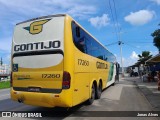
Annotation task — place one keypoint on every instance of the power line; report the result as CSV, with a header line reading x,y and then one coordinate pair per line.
x,y
125,43
115,11
141,42
128,42
133,46
111,44
113,20
118,33
138,41
122,42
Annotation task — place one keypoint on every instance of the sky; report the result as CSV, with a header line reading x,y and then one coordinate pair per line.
x,y
109,21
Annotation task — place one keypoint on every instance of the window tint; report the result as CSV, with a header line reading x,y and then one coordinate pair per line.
x,y
87,44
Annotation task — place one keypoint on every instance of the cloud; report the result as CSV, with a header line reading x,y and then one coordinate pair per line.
x,y
125,61
16,11
140,17
128,61
100,21
46,7
156,1
134,55
132,59
153,53
75,8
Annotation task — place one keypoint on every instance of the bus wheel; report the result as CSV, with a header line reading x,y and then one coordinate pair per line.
x,y
91,99
99,91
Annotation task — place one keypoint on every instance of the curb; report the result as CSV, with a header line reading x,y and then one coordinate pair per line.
x,y
149,96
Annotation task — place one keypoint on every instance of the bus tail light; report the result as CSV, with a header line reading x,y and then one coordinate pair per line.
x,y
66,80
11,80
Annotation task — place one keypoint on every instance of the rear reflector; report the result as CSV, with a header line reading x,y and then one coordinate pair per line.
x,y
66,80
56,96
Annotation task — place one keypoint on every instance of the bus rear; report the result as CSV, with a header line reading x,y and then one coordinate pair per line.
x,y
37,62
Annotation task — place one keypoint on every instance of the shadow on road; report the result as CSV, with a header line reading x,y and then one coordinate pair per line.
x,y
57,111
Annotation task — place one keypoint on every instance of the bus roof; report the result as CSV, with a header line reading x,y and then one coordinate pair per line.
x,y
42,17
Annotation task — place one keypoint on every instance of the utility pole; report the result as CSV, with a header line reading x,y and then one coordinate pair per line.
x,y
120,44
1,65
1,61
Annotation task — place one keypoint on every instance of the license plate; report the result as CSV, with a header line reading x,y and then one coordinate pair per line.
x,y
34,89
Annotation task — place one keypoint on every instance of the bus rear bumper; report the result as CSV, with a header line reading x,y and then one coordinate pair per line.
x,y
41,99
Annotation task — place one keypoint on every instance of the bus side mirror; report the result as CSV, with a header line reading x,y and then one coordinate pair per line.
x,y
78,31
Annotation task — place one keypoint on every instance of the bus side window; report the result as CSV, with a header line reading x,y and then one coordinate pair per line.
x,y
81,45
105,57
78,32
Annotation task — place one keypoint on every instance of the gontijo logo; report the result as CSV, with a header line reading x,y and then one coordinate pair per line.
x,y
36,27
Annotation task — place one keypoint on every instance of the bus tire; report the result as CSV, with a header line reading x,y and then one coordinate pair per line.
x,y
99,91
91,99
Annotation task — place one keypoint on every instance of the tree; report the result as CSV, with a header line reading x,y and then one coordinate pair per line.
x,y
156,38
145,56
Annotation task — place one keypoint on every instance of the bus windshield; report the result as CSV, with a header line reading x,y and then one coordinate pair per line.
x,y
35,41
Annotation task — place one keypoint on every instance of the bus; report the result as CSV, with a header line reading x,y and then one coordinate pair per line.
x,y
56,62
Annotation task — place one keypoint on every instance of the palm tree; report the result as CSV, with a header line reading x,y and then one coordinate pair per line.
x,y
145,56
142,59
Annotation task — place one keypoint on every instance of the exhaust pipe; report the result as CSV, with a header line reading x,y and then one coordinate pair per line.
x,y
20,100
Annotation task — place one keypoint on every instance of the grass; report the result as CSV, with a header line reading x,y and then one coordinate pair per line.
x,y
4,84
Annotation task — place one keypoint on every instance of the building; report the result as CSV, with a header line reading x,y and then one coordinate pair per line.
x,y
5,69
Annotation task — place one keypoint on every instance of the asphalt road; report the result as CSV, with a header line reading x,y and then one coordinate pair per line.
x,y
123,96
